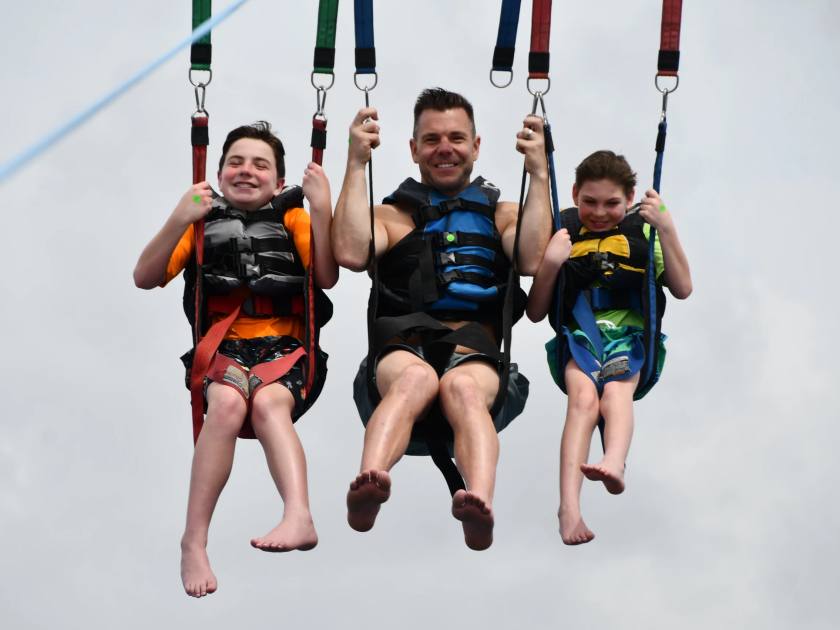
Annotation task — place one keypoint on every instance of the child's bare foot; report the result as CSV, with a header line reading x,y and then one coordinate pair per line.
x,y
196,573
476,518
290,534
612,476
368,491
573,530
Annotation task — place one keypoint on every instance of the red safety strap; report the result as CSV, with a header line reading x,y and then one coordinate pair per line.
x,y
270,372
669,46
203,357
200,140
319,139
540,36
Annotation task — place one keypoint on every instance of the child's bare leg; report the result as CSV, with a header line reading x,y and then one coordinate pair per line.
x,y
617,410
211,465
581,419
466,394
408,385
271,418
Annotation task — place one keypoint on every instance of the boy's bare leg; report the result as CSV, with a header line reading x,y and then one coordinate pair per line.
x,y
271,418
581,420
466,394
211,465
617,410
408,385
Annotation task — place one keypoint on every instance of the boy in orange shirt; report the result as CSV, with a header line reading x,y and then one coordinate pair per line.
x,y
256,249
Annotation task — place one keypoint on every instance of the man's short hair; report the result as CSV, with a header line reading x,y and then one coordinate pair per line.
x,y
440,100
260,130
606,165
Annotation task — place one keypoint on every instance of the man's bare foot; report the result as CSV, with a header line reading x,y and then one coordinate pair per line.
x,y
196,573
573,530
612,477
368,491
476,518
290,534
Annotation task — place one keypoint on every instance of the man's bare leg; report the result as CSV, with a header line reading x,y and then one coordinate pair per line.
x,y
211,465
408,385
466,394
617,410
581,420
271,418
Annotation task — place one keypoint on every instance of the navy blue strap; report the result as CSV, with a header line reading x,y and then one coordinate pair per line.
x,y
506,40
365,50
585,318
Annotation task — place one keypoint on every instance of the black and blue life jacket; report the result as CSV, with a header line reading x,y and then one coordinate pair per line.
x,y
452,265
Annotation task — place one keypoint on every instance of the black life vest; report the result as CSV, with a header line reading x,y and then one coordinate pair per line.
x,y
615,261
452,265
253,249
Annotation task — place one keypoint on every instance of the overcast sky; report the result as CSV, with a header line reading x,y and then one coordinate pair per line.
x,y
730,519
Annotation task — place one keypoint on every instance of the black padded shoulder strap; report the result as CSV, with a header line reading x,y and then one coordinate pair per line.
x,y
289,197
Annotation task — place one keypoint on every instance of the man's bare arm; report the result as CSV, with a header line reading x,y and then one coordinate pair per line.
x,y
351,225
536,217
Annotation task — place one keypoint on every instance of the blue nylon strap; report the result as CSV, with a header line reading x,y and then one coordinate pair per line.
x,y
652,331
586,320
506,39
13,164
363,12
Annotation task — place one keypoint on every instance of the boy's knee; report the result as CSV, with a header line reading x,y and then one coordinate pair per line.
x,y
226,409
584,400
270,402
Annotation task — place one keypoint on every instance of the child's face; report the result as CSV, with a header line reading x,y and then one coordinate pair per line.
x,y
248,178
601,203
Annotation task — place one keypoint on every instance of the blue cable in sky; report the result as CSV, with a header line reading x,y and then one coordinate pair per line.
x,y
9,167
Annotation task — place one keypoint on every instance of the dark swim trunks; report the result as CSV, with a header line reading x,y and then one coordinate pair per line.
x,y
249,353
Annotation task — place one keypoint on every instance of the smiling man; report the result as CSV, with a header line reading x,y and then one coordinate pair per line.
x,y
442,251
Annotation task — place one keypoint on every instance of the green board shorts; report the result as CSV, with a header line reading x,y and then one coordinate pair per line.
x,y
624,355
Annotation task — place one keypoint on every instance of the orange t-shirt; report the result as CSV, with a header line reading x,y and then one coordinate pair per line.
x,y
296,221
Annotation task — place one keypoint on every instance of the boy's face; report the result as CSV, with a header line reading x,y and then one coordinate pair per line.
x,y
601,203
248,178
444,149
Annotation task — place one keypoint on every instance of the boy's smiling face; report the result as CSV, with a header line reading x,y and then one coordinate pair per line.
x,y
248,179
601,203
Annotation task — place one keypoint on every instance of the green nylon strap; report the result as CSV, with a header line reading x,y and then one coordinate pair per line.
x,y
325,40
201,12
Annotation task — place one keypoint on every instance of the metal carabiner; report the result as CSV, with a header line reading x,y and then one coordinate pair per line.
x,y
200,93
320,102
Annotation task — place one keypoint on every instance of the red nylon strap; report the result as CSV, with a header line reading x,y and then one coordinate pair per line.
x,y
199,155
319,127
270,372
540,33
311,338
670,36
202,358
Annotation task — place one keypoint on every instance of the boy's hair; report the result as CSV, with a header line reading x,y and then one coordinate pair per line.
x,y
260,130
606,165
440,100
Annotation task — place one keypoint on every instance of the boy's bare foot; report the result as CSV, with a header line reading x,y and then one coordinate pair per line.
x,y
196,573
476,518
289,535
573,530
368,491
612,477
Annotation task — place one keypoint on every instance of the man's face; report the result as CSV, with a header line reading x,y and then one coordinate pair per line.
x,y
444,148
602,204
248,179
